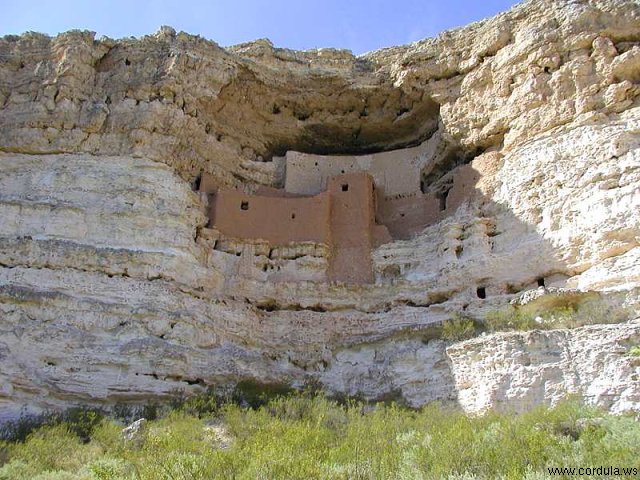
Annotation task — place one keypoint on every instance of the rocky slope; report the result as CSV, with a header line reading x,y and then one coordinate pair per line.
x,y
110,290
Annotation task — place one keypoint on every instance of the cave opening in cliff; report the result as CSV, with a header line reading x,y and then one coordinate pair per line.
x,y
442,199
344,134
195,185
436,177
540,281
481,292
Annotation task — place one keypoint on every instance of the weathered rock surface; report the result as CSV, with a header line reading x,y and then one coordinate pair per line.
x,y
519,370
111,290
133,431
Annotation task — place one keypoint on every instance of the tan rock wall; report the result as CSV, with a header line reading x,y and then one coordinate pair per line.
x,y
111,290
519,370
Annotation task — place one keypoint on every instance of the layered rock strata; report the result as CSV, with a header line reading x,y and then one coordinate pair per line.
x,y
113,289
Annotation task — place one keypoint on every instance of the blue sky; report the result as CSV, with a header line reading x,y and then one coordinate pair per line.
x,y
360,26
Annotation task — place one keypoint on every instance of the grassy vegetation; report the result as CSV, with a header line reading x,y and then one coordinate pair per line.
x,y
569,315
458,328
310,437
565,313
635,351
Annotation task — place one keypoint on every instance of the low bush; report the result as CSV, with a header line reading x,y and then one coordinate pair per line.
x,y
309,436
458,328
572,315
510,319
598,311
48,449
79,420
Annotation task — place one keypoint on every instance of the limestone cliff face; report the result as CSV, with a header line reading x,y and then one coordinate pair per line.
x,y
111,289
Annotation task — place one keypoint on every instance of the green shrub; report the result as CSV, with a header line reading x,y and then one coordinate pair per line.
x,y
61,475
635,351
109,469
510,319
309,436
599,311
256,394
79,420
108,436
571,315
560,317
82,421
202,405
48,449
458,328
16,469
177,465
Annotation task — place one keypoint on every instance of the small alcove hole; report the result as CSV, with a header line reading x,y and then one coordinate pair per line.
x,y
244,205
481,292
443,200
345,187
195,184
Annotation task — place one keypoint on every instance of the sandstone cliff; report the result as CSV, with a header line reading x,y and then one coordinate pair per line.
x,y
111,290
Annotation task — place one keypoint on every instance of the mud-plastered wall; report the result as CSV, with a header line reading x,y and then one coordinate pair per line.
x,y
277,220
352,221
407,215
394,172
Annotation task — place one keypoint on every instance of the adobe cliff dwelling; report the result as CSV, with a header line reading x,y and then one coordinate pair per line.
x,y
340,207
176,215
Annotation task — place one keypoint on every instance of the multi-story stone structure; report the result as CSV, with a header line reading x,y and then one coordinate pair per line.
x,y
350,204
